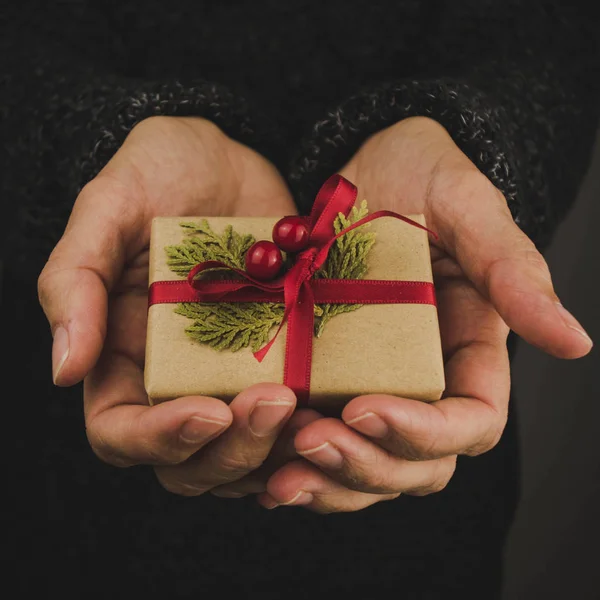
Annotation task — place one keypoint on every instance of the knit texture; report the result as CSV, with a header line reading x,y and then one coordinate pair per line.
x,y
233,326
304,83
513,83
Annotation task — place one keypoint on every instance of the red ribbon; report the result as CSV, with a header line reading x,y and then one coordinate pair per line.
x,y
297,289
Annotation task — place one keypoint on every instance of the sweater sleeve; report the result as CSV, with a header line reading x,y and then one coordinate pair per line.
x,y
516,90
63,116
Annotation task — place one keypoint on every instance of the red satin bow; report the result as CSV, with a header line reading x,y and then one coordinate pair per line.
x,y
297,289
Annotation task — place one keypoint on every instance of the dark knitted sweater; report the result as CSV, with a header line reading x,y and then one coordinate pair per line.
x,y
305,83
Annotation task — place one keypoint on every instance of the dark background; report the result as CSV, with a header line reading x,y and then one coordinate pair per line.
x,y
552,548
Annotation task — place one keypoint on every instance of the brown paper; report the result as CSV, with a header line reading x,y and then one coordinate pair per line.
x,y
379,348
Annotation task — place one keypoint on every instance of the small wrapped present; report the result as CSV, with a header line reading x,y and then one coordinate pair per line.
x,y
349,310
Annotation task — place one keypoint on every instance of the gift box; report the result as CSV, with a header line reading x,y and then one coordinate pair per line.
x,y
209,348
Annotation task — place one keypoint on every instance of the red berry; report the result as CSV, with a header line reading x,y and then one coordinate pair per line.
x,y
263,260
291,234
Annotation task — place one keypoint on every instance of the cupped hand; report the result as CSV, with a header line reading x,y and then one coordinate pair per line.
x,y
94,292
489,277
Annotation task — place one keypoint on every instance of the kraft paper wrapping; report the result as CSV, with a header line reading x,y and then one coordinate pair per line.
x,y
379,348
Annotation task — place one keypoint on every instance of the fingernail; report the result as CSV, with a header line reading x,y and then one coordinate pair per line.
x,y
267,501
60,351
267,416
370,424
299,499
572,323
199,429
324,455
226,494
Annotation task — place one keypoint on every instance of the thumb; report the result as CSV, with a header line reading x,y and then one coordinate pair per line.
x,y
73,286
503,263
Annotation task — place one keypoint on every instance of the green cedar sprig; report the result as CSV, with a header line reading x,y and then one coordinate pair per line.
x,y
232,326
204,244
347,259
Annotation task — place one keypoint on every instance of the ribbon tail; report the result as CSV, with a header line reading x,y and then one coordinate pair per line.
x,y
324,251
259,355
292,288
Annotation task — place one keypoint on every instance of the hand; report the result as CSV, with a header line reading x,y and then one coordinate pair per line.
x,y
94,292
488,277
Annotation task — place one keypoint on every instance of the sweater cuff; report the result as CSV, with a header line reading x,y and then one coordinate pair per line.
x,y
211,101
478,126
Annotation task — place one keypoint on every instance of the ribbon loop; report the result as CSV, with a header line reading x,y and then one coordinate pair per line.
x,y
337,195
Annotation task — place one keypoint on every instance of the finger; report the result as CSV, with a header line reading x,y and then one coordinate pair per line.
x,y
259,415
301,484
421,431
467,318
361,465
475,225
123,430
73,286
470,421
283,451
